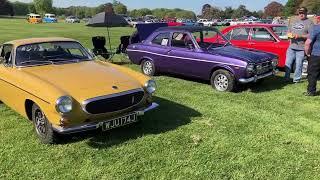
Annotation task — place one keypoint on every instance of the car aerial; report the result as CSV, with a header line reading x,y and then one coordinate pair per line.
x,y
184,51
72,19
50,18
59,86
264,37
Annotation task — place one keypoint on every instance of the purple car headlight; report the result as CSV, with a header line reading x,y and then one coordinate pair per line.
x,y
250,68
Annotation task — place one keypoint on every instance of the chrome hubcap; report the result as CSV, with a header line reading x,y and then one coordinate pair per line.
x,y
40,123
221,82
147,68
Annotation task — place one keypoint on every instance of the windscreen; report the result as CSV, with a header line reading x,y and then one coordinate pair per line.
x,y
50,52
210,39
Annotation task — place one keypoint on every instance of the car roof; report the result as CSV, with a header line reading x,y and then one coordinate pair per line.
x,y
20,42
186,28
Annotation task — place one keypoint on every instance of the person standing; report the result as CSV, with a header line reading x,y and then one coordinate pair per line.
x,y
312,49
298,33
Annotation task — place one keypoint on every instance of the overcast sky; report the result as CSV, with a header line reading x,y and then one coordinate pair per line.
x,y
194,5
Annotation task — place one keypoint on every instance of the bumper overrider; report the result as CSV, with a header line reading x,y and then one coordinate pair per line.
x,y
257,77
97,125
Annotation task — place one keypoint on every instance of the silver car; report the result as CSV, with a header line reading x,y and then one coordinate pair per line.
x,y
72,19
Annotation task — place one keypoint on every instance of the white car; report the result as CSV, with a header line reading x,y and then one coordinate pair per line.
x,y
206,22
72,19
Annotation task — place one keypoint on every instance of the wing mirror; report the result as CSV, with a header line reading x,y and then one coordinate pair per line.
x,y
190,47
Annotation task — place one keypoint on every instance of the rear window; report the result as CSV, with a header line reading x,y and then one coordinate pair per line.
x,y
161,39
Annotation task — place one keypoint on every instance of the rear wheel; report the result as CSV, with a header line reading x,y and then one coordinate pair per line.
x,y
42,126
148,68
223,81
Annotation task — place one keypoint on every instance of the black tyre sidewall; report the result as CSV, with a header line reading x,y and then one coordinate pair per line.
x,y
49,137
231,80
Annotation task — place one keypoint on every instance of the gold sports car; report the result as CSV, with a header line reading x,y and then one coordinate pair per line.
x,y
59,86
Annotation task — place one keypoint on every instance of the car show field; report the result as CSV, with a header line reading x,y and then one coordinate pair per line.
x,y
264,131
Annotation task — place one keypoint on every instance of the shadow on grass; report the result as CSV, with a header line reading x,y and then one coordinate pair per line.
x,y
167,117
268,84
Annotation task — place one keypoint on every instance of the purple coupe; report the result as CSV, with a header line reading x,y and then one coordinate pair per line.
x,y
186,51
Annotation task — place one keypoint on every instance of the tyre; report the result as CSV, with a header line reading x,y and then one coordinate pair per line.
x,y
42,126
148,68
223,81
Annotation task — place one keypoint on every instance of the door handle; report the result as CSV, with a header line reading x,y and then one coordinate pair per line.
x,y
169,52
252,43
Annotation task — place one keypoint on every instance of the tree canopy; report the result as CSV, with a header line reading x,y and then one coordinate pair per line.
x,y
43,6
273,9
6,8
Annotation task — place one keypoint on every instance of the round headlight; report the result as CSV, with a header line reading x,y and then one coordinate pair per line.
x,y
151,86
64,104
250,68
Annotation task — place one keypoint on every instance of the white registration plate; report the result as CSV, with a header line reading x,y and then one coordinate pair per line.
x,y
118,122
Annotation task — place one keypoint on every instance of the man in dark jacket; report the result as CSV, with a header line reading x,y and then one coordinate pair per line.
x,y
312,49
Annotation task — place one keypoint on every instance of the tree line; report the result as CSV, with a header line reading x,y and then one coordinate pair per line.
x,y
208,11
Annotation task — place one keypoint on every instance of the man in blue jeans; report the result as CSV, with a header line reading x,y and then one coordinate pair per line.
x,y
312,49
298,33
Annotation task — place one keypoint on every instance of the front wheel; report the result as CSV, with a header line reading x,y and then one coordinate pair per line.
x,y
223,81
148,68
42,126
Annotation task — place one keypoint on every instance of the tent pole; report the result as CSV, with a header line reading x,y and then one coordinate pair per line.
x,y
108,33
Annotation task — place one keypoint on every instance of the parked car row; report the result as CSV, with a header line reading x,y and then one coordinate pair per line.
x,y
50,18
115,96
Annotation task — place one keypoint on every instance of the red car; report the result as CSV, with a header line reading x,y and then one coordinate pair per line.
x,y
265,37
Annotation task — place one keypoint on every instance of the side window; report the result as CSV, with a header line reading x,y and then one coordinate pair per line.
x,y
6,53
239,34
161,39
261,34
182,40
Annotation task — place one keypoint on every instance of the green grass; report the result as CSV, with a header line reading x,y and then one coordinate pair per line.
x,y
268,131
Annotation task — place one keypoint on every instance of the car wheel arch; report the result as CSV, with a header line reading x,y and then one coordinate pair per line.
x,y
28,108
144,59
215,68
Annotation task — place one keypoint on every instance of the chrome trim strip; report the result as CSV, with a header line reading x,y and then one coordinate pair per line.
x,y
255,78
96,125
86,102
192,59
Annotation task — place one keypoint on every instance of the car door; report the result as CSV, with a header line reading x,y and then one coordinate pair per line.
x,y
183,55
261,39
239,37
159,47
6,87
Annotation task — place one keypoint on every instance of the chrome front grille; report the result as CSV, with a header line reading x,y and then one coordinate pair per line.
x,y
114,102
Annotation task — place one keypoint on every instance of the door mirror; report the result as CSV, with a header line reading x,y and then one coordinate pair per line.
x,y
190,46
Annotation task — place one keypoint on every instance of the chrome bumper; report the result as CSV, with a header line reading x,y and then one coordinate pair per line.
x,y
96,125
256,77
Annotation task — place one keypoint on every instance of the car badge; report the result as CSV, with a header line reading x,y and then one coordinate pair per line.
x,y
115,87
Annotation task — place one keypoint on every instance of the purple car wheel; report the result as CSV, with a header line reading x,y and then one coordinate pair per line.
x,y
222,80
148,68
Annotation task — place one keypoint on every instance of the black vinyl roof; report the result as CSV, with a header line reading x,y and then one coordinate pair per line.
x,y
187,28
